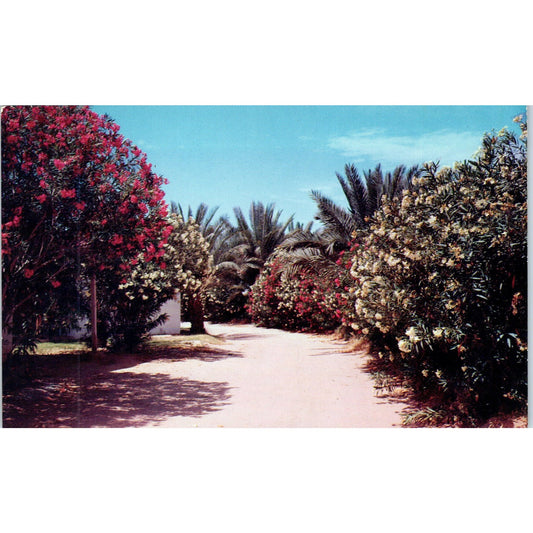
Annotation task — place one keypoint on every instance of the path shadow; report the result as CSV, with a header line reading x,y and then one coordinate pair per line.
x,y
68,390
182,353
243,336
124,399
74,364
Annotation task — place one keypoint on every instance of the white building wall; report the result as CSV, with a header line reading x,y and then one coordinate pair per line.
x,y
172,326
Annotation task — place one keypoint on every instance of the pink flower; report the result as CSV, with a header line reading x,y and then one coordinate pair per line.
x,y
43,184
60,165
56,284
68,193
116,240
133,199
28,272
42,198
163,266
80,206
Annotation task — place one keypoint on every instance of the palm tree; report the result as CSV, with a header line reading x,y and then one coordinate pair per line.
x,y
247,247
253,241
319,250
364,198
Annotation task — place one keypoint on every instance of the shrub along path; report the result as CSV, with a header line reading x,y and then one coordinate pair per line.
x,y
256,378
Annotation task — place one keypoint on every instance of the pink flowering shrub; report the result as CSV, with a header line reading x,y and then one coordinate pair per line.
x,y
300,301
131,305
68,179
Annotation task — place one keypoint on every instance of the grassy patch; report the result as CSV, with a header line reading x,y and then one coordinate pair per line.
x,y
157,341
180,341
53,348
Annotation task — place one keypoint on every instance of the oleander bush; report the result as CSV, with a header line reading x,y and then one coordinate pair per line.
x,y
440,280
298,300
129,312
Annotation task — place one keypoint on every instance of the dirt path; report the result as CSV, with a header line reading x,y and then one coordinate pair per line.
x,y
257,378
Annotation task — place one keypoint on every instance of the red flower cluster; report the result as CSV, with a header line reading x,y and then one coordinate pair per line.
x,y
70,193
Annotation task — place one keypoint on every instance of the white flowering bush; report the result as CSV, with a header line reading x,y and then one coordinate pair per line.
x,y
440,279
185,264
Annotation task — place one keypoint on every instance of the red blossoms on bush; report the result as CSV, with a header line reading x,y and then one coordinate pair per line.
x,y
70,193
60,165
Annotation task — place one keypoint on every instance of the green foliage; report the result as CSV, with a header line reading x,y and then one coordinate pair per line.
x,y
440,279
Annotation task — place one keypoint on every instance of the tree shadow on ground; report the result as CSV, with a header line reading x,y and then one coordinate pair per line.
x,y
27,370
72,390
202,353
320,351
107,399
244,336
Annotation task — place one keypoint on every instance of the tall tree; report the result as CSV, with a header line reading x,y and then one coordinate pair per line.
x,y
76,196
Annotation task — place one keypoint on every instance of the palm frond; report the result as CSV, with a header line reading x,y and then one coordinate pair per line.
x,y
374,184
334,217
355,192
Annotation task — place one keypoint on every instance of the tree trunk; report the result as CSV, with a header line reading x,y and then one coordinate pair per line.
x,y
197,314
7,343
94,315
7,333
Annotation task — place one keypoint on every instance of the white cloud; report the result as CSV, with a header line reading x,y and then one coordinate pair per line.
x,y
145,145
445,146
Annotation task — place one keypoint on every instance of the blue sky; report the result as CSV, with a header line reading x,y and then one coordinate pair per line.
x,y
231,155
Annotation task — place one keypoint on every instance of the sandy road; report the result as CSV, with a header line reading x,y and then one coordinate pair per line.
x,y
256,378
279,379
